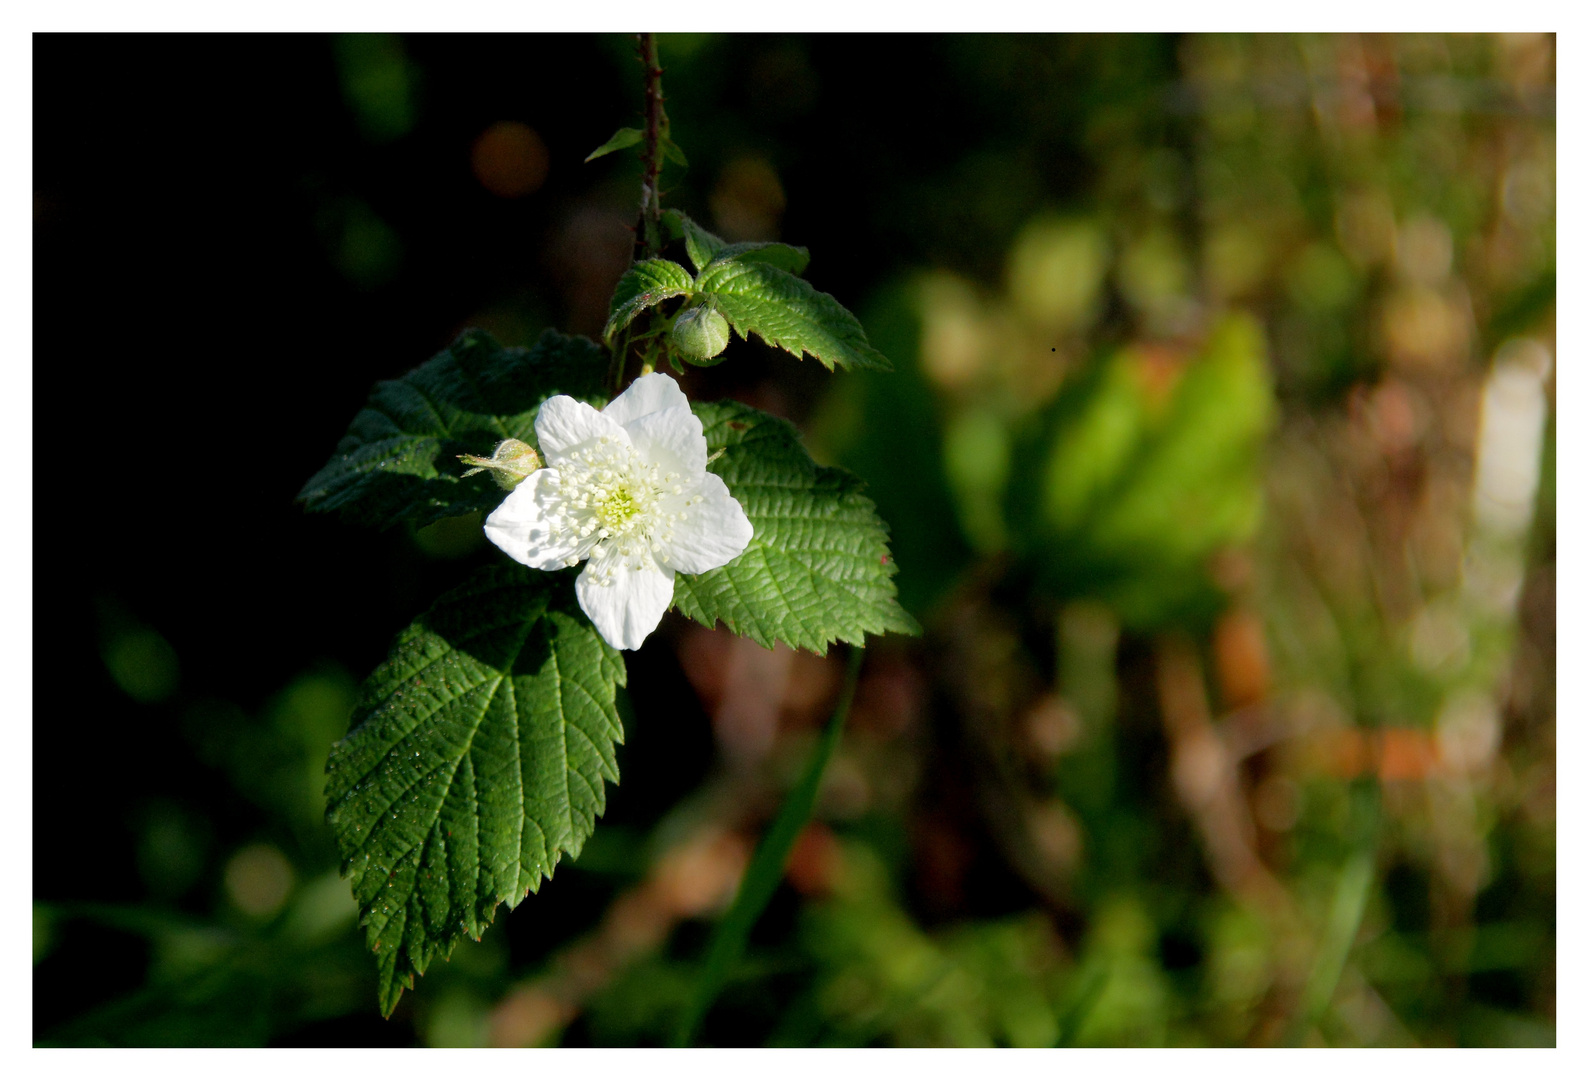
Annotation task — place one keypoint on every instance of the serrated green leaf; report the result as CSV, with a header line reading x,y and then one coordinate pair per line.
x,y
646,284
621,139
701,245
786,311
783,256
477,759
672,153
818,569
399,458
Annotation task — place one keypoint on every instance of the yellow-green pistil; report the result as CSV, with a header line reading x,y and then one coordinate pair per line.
x,y
609,500
616,509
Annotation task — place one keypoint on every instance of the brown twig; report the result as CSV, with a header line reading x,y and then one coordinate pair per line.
x,y
1205,777
648,230
650,227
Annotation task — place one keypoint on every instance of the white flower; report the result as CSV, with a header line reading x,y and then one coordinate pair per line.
x,y
627,488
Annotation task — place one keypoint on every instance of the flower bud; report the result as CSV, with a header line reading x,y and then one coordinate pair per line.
x,y
512,461
700,333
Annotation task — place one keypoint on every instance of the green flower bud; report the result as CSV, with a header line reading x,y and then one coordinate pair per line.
x,y
512,461
700,333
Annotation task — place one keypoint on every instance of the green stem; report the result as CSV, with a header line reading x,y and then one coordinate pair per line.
x,y
761,877
620,354
1351,892
1086,999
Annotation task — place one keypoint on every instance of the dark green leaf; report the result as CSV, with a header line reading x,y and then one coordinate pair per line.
x,y
477,759
788,312
621,139
646,284
672,153
399,459
818,569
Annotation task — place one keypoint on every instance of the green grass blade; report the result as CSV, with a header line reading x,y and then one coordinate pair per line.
x,y
1351,894
766,865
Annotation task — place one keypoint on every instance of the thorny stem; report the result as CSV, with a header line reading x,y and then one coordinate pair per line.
x,y
648,231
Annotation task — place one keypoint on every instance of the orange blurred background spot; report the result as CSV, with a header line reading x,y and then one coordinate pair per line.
x,y
510,160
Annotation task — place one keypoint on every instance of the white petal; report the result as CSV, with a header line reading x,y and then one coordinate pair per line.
x,y
628,609
673,439
563,424
519,526
647,394
713,533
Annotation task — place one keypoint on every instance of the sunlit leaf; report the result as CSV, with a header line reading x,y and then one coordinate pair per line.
x,y
477,758
621,139
786,311
399,458
646,284
701,245
818,569
783,256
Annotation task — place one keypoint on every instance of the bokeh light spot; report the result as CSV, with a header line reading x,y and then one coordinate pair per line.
x,y
143,664
510,160
748,200
258,879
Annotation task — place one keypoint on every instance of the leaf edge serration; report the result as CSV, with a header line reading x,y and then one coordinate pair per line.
x,y
548,598
845,490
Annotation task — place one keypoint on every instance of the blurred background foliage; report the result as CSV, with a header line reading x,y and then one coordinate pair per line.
x,y
1219,460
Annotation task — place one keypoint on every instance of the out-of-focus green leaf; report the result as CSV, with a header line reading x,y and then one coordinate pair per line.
x,y
1133,479
399,458
976,464
884,979
1520,309
886,429
378,83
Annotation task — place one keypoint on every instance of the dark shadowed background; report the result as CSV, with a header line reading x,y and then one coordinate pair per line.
x,y
1219,462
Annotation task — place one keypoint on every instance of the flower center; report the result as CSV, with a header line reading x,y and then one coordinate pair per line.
x,y
609,500
617,508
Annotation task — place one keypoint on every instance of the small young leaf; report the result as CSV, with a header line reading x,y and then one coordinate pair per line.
x,y
818,569
702,246
783,256
622,139
788,312
476,760
399,458
646,284
672,153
